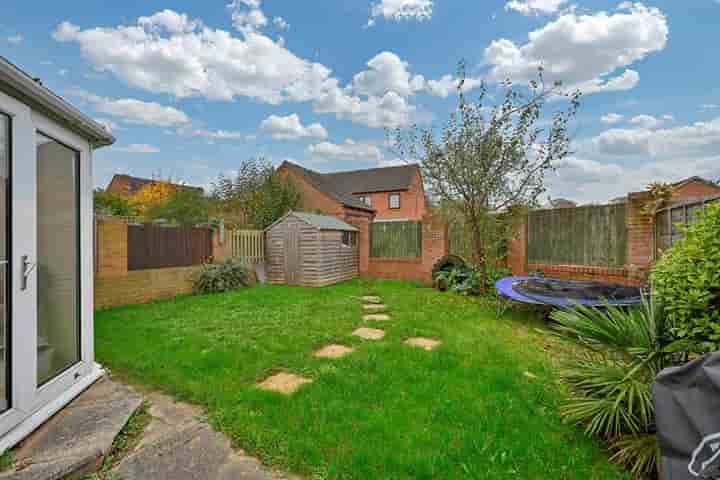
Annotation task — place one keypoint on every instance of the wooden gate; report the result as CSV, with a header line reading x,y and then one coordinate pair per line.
x,y
248,246
292,254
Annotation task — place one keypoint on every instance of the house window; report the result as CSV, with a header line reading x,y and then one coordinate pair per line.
x,y
366,199
395,200
349,239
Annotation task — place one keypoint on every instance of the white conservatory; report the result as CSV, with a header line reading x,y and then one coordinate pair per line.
x,y
46,252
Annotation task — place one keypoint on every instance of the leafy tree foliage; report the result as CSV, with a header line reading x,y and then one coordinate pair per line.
x,y
261,196
490,157
152,195
109,203
185,206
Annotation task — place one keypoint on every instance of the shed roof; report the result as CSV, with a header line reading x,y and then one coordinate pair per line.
x,y
27,89
322,222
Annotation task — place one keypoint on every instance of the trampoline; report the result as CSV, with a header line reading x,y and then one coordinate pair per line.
x,y
559,292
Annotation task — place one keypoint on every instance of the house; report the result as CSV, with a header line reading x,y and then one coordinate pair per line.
x,y
46,259
387,193
688,189
127,186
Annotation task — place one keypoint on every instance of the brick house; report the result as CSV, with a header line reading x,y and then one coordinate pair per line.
x,y
127,186
361,197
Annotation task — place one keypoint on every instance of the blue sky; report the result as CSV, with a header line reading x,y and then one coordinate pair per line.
x,y
191,88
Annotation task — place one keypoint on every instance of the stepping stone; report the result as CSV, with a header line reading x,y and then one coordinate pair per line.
x,y
424,343
284,382
374,306
376,316
333,351
371,299
369,333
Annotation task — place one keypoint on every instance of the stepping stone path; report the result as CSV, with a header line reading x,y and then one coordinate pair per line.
x,y
369,333
424,343
371,299
376,316
284,382
333,351
374,306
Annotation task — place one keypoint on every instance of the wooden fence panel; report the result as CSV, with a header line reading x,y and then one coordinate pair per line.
x,y
247,245
395,239
594,236
155,246
671,221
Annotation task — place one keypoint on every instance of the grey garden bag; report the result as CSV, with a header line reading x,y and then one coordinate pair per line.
x,y
687,410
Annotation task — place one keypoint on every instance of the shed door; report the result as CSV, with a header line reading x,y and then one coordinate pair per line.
x,y
292,254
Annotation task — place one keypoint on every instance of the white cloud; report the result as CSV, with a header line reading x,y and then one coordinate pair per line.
x,y
137,148
134,111
62,72
210,135
247,16
535,7
709,106
280,23
589,52
400,10
392,162
168,53
612,118
650,122
290,128
349,150
698,139
15,39
588,171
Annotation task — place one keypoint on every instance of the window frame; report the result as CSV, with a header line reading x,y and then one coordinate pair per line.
x,y
366,200
351,239
390,201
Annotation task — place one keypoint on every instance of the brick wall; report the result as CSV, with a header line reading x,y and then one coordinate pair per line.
x,y
434,247
141,286
412,202
361,220
115,285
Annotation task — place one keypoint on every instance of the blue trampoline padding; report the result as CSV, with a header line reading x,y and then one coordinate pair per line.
x,y
505,285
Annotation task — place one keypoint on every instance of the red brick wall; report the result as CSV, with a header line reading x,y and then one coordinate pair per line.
x,y
412,202
695,189
361,220
517,251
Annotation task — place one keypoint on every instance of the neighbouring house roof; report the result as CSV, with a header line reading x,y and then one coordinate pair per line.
x,y
322,222
343,186
136,183
695,179
29,90
326,186
384,179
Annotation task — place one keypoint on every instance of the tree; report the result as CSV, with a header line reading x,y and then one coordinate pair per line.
x,y
112,204
492,158
153,194
257,192
185,206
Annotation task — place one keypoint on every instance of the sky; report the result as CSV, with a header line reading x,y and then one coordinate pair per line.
x,y
191,88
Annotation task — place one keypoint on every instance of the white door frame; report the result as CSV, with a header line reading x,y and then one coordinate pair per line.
x,y
30,405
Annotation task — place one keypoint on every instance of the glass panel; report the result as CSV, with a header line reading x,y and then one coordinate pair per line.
x,y
57,258
4,235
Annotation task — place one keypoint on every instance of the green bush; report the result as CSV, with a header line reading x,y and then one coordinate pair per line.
x,y
466,280
221,277
687,279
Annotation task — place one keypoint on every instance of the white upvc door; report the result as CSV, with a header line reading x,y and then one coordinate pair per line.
x,y
49,319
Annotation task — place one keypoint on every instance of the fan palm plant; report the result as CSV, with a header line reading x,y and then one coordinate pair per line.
x,y
618,353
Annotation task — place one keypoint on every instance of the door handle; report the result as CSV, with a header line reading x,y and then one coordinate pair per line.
x,y
26,268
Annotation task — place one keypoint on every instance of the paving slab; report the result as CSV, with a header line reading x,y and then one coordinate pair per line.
x,y
371,299
284,382
369,333
74,441
383,317
333,351
424,343
374,306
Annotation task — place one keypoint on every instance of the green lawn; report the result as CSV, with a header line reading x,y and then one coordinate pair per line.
x,y
386,411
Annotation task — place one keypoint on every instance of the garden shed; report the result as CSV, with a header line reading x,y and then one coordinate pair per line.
x,y
311,250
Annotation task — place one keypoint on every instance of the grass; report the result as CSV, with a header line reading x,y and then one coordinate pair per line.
x,y
7,461
386,411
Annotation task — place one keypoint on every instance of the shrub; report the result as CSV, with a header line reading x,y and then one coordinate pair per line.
x,y
618,353
687,278
221,277
467,279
